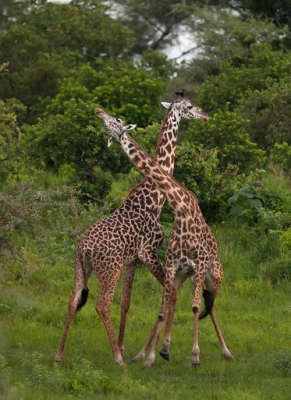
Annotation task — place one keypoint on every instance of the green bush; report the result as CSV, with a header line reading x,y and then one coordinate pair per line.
x,y
198,169
245,204
281,155
282,361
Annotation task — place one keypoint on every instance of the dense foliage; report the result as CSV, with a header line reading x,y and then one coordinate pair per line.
x,y
58,62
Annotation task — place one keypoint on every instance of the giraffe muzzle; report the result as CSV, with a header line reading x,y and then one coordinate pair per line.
x,y
99,112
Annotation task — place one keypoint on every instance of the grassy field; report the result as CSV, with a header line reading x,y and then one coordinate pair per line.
x,y
254,315
36,281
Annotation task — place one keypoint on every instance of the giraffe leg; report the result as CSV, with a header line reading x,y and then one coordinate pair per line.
x,y
151,260
225,352
212,283
165,352
141,355
103,309
77,300
199,280
152,355
156,331
128,276
195,348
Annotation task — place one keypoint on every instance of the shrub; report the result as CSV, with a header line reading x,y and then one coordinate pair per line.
x,y
282,361
281,155
245,204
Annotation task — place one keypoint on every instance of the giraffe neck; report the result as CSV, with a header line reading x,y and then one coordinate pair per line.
x,y
176,195
166,147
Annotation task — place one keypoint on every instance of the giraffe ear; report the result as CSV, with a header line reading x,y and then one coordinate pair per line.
x,y
129,127
110,140
165,104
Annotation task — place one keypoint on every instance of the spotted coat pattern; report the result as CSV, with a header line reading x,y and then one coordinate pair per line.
x,y
191,252
133,232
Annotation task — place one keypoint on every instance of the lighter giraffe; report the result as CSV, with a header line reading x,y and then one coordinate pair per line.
x,y
191,250
133,232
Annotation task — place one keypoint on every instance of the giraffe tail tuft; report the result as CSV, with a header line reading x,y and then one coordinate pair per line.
x,y
208,303
83,299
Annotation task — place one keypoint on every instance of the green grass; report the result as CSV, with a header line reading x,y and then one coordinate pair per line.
x,y
254,317
253,309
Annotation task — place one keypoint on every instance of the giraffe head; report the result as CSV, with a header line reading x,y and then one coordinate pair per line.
x,y
184,108
115,126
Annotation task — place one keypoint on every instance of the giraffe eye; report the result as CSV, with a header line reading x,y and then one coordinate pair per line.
x,y
189,107
118,120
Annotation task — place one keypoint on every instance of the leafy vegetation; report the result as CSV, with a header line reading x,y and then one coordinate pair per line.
x,y
58,62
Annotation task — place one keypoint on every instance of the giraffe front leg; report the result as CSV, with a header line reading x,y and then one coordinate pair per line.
x,y
155,332
151,260
178,282
152,356
165,352
163,313
195,348
141,355
195,308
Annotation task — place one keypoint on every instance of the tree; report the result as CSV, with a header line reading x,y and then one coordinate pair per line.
x,y
48,42
269,113
226,132
74,142
156,24
121,88
233,82
279,11
218,36
11,163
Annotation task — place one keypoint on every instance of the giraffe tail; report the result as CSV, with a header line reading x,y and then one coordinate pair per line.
x,y
80,269
83,299
208,303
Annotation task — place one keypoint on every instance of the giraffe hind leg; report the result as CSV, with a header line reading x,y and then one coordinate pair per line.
x,y
128,277
76,302
209,295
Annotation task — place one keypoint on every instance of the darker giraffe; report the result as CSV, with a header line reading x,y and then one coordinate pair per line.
x,y
133,232
191,251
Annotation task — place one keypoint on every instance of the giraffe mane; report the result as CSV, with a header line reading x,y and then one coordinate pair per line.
x,y
160,139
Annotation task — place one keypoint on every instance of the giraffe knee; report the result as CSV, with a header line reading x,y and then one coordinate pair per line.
x,y
195,309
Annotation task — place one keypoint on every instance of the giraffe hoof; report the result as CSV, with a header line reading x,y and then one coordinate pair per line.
x,y
58,358
196,364
165,356
121,363
146,365
228,356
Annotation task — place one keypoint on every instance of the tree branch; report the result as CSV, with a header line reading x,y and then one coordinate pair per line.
x,y
3,66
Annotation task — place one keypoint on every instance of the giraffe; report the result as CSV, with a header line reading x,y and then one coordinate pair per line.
x,y
130,234
191,250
